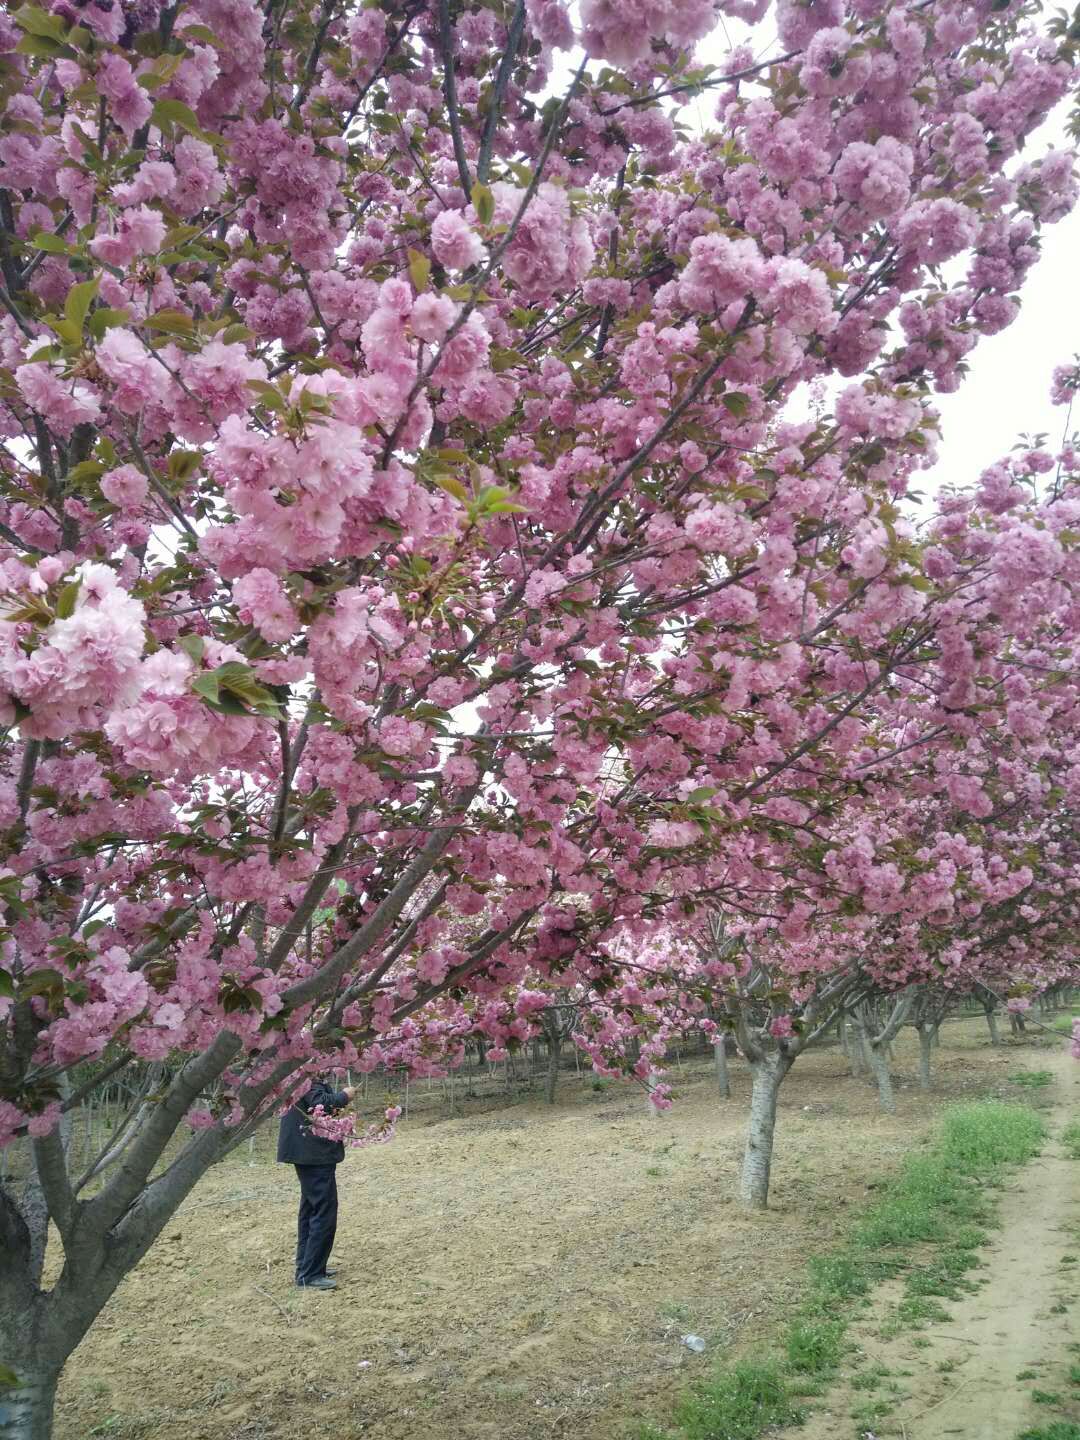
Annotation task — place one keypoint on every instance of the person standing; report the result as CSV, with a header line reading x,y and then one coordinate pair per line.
x,y
315,1161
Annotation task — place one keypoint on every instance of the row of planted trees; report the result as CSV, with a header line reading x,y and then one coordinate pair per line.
x,y
421,607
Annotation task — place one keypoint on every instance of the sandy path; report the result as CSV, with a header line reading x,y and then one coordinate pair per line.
x,y
958,1378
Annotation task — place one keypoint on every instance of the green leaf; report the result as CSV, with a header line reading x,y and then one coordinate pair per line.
x,y
736,402
233,334
85,470
70,333
183,464
39,22
78,302
701,794
233,689
40,982
203,34
193,646
7,991
452,485
43,47
483,203
65,605
505,359
175,112
52,244
171,322
8,1379
103,319
208,686
92,927
269,395
419,270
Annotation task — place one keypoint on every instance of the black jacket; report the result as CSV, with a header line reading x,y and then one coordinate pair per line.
x,y
296,1144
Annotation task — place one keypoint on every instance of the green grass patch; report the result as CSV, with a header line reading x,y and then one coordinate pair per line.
x,y
736,1405
1033,1079
937,1198
813,1345
1070,1138
1059,1430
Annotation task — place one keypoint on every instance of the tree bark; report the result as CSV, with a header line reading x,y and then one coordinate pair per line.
x,y
926,1041
879,1062
723,1083
858,1051
554,1055
991,1021
26,1412
767,1076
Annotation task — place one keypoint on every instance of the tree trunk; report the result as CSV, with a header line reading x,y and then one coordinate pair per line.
x,y
651,1082
554,1054
26,1412
879,1062
723,1083
858,1050
926,1041
767,1076
991,1021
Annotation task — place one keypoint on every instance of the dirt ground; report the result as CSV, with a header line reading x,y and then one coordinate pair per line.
x,y
517,1275
962,1376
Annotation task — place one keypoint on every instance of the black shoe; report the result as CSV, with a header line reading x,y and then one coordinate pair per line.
x,y
318,1282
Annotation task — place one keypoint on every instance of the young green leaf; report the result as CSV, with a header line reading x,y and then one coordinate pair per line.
x,y
79,299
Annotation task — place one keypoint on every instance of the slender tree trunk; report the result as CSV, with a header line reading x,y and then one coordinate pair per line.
x,y
926,1041
767,1076
866,1064
858,1050
991,1021
554,1054
651,1082
723,1083
879,1063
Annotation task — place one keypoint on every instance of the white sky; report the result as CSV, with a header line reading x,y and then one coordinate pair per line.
x,y
1007,391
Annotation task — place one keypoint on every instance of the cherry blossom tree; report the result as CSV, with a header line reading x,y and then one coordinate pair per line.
x,y
414,575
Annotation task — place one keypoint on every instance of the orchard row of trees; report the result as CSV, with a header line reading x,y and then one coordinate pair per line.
x,y
421,606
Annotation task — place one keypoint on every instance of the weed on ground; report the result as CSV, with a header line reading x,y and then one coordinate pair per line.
x,y
938,1199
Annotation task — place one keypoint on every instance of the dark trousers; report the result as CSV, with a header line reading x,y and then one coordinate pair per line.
x,y
318,1219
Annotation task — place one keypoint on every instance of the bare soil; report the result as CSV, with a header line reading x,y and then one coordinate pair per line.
x,y
1001,1363
515,1275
